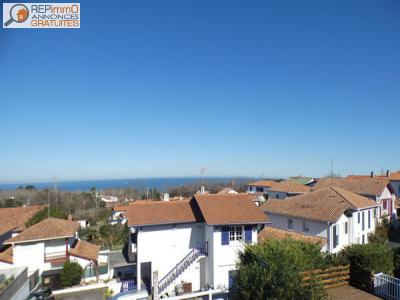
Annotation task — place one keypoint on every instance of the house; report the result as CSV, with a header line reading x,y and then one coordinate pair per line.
x,y
337,215
285,189
45,247
13,220
194,241
261,186
378,189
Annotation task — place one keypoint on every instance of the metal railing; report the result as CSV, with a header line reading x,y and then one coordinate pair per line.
x,y
386,287
200,249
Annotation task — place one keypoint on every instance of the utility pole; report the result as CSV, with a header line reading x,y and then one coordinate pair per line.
x,y
331,167
48,199
55,191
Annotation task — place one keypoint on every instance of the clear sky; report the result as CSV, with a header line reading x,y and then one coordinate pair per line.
x,y
163,88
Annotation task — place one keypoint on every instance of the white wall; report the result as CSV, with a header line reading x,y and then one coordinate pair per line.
x,y
225,257
276,195
165,245
354,229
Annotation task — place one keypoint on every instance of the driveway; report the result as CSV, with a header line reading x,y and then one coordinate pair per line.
x,y
348,292
94,294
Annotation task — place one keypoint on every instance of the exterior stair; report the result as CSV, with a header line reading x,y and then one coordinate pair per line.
x,y
201,249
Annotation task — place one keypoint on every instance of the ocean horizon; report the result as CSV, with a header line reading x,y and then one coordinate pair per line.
x,y
159,183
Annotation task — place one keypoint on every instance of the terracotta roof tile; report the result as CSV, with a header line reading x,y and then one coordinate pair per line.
x,y
160,212
364,186
289,187
16,217
219,209
326,205
6,255
85,250
264,183
50,228
269,233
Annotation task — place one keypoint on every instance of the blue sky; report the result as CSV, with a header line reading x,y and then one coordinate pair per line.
x,y
163,88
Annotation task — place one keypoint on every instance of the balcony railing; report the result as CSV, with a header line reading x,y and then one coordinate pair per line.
x,y
55,257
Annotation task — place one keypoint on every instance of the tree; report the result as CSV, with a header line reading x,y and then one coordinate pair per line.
x,y
271,270
44,214
71,274
30,187
381,234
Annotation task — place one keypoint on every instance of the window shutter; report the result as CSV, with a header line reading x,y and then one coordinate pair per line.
x,y
225,235
248,230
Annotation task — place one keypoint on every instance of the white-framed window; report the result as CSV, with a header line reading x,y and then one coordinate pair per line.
x,y
358,217
306,229
345,227
290,224
235,233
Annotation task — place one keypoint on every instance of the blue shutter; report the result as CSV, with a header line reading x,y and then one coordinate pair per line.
x,y
225,236
248,230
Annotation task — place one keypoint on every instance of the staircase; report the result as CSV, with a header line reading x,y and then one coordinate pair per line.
x,y
200,250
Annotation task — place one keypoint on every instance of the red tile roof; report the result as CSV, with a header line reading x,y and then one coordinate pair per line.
x,y
263,183
216,209
269,233
85,250
47,229
326,205
160,212
220,209
16,217
364,186
289,187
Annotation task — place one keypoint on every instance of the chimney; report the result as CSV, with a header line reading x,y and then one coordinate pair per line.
x,y
387,173
372,174
166,197
202,191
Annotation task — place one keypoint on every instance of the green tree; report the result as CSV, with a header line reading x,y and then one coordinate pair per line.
x,y
271,270
381,234
71,274
44,214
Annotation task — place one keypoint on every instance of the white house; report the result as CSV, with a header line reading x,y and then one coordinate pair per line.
x,y
46,245
261,186
194,241
378,189
337,215
286,188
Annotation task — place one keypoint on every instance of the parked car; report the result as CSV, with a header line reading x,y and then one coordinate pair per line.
x,y
41,294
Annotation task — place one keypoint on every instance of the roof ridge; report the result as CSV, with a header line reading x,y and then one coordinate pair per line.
x,y
339,191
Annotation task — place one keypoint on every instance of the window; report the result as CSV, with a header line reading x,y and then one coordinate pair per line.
x,y
277,196
363,239
259,189
374,213
305,227
335,236
363,220
369,219
384,202
358,217
290,224
345,228
235,233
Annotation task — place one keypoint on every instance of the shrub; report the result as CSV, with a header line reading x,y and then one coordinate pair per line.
x,y
71,274
366,260
271,270
396,262
43,214
381,234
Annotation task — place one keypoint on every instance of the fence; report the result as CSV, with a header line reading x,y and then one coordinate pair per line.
x,y
386,287
329,278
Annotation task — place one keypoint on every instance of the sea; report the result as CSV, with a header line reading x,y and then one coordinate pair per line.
x,y
161,184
